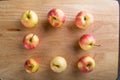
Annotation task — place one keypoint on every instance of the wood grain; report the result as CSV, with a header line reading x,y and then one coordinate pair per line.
x,y
58,42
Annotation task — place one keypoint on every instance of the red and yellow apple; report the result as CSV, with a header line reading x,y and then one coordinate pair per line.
x,y
31,41
56,17
87,41
29,19
86,64
83,19
31,65
58,64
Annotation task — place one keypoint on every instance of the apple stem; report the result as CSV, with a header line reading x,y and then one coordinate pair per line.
x,y
98,45
56,65
28,14
30,66
32,38
85,18
54,18
88,65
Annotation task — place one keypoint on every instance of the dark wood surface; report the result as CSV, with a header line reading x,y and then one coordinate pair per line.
x,y
58,42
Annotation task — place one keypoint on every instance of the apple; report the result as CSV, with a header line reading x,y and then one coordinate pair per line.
x,y
84,19
30,41
31,65
87,41
58,64
86,64
29,19
56,17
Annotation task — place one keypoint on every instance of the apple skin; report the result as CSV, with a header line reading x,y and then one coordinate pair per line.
x,y
56,17
58,64
87,41
30,41
31,65
84,19
29,19
86,64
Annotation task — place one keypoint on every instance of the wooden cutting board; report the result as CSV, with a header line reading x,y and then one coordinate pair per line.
x,y
58,41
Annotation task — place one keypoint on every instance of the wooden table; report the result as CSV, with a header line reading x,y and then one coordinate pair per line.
x,y
58,42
